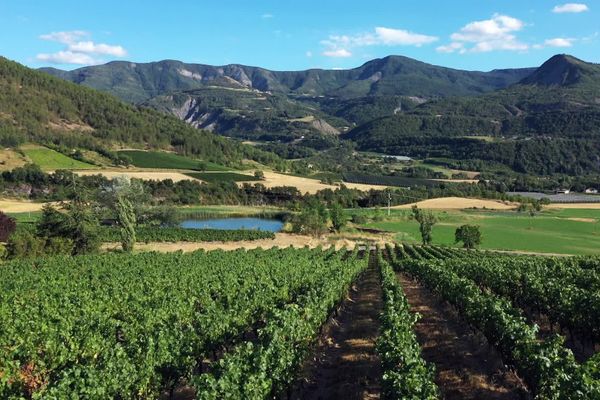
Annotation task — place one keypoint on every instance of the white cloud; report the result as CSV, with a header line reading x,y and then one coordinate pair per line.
x,y
66,37
267,16
78,51
570,8
400,37
68,57
309,54
100,48
339,44
496,33
451,48
338,53
559,42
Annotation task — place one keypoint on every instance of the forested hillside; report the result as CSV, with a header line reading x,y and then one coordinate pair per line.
x,y
40,108
547,123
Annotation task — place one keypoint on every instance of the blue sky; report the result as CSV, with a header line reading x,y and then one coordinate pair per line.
x,y
292,35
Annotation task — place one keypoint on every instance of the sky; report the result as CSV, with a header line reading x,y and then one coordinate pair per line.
x,y
296,35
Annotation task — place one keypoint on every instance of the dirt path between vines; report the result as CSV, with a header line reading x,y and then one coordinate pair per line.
x,y
466,366
345,364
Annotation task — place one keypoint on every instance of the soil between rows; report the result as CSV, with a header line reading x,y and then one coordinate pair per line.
x,y
345,364
466,366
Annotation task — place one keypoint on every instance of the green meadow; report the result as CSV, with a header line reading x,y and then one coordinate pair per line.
x,y
560,231
48,159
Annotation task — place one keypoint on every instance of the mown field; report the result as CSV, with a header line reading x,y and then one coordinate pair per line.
x,y
557,231
163,160
221,177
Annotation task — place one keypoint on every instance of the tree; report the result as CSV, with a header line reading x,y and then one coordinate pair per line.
x,y
259,175
52,223
338,217
470,235
312,219
426,221
7,226
83,228
127,220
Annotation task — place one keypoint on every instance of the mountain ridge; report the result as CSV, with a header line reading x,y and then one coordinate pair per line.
x,y
146,80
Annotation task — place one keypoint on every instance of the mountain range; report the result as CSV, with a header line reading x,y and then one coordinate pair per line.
x,y
541,120
256,103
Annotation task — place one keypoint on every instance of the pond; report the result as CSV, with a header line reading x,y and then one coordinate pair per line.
x,y
272,225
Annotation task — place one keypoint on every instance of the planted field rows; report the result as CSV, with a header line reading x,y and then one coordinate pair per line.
x,y
404,322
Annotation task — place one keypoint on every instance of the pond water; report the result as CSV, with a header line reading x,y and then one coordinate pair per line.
x,y
261,224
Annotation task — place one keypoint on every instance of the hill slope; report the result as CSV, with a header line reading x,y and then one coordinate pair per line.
x,y
41,108
558,106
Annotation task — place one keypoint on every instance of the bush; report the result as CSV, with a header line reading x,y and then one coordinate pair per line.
x,y
359,219
58,245
7,226
24,244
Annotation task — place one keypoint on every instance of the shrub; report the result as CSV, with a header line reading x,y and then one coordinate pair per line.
x,y
7,226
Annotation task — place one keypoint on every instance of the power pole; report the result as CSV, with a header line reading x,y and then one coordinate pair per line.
x,y
389,203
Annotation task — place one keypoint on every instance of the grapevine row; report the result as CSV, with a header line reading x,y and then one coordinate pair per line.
x,y
405,374
549,369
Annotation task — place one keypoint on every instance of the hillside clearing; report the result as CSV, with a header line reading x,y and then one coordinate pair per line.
x,y
49,160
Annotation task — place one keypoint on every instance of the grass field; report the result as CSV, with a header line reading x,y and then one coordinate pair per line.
x,y
49,159
163,160
560,231
221,176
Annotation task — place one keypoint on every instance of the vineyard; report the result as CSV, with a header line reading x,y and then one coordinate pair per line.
x,y
403,322
175,234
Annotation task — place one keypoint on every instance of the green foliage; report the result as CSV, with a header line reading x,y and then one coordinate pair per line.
x,y
405,374
470,235
127,223
426,220
549,369
24,244
312,219
338,217
259,175
161,159
127,349
359,219
49,159
7,226
38,106
216,177
77,224
162,216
